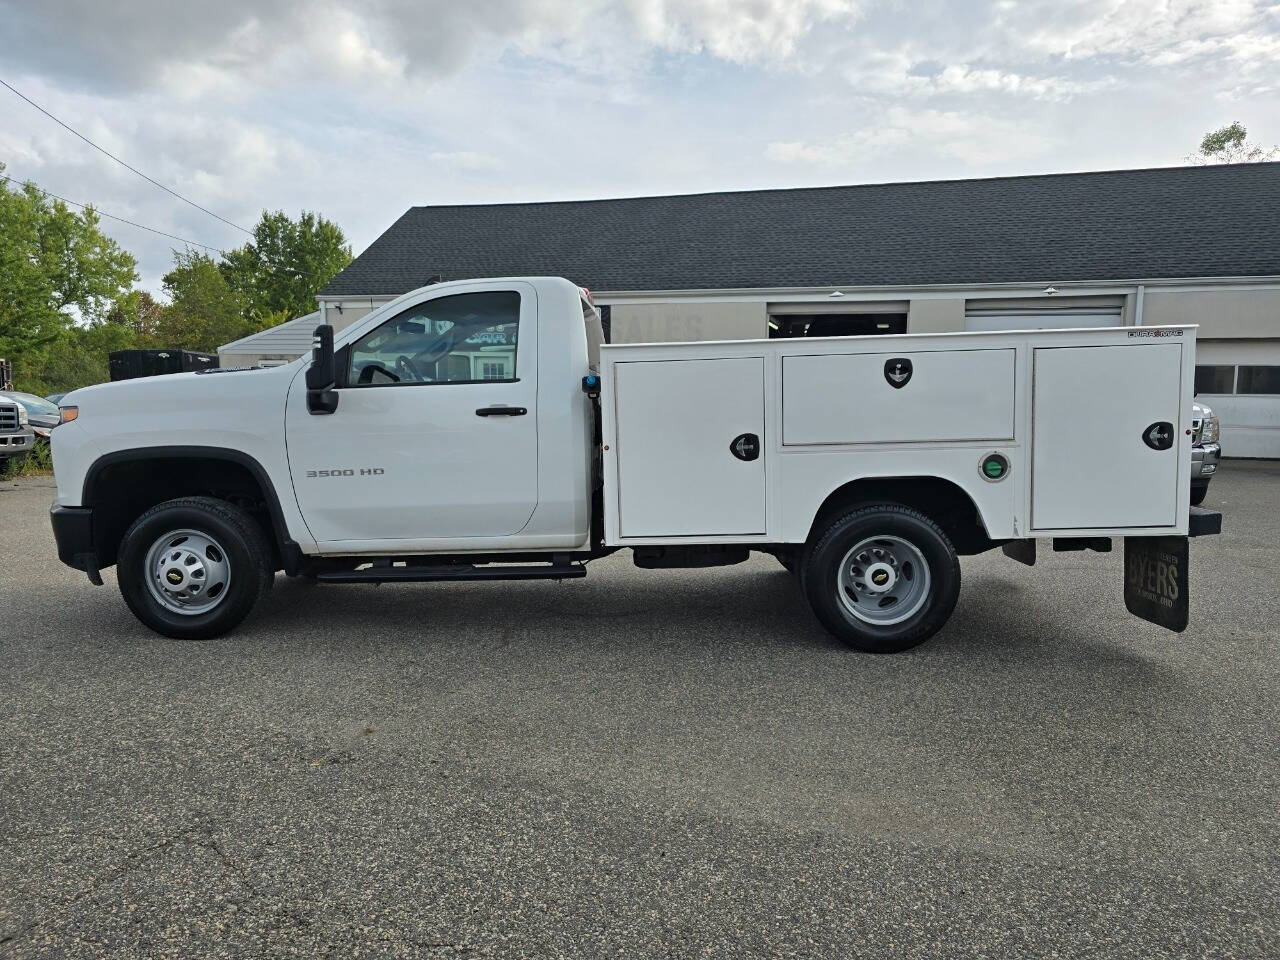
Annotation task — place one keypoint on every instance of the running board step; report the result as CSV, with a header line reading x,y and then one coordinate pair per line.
x,y
377,574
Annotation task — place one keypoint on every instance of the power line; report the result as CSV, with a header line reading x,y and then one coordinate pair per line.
x,y
101,213
121,162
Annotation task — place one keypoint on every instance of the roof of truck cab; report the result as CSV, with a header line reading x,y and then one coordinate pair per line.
x,y
1166,222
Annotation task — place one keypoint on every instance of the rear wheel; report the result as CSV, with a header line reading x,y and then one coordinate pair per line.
x,y
882,578
194,568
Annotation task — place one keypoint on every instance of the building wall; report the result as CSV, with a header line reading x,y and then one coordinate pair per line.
x,y
251,359
350,311
935,315
659,322
1221,313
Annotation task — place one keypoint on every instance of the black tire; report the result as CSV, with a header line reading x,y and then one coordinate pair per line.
x,y
822,582
248,554
1198,493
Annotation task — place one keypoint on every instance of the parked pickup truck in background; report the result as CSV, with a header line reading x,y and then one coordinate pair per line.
x,y
16,435
480,430
1205,451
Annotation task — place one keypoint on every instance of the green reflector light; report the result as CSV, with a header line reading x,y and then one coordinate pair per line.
x,y
994,466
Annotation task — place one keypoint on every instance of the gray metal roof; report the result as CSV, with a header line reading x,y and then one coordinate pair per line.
x,y
1171,222
291,338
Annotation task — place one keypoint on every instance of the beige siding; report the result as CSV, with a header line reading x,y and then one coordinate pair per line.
x,y
1220,313
250,359
1261,352
936,316
349,314
686,322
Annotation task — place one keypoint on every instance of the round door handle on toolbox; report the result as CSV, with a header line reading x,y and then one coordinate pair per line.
x,y
1158,436
745,446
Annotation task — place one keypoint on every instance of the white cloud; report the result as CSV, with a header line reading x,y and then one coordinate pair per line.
x,y
467,160
742,32
976,140
361,108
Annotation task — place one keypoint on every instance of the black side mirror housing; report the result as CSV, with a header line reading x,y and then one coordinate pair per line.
x,y
322,375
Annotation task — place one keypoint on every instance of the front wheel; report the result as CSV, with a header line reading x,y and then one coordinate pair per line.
x,y
193,568
1198,493
882,578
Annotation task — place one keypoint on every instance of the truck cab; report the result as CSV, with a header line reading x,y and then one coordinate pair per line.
x,y
479,429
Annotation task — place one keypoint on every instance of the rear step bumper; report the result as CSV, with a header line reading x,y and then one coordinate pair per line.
x,y
389,574
1204,522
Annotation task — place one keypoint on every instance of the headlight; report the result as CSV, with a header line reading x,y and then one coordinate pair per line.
x,y
23,419
1209,433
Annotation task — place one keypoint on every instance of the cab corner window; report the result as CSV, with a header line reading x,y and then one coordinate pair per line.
x,y
465,338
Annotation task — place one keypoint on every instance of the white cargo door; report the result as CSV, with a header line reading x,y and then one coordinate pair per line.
x,y
1092,406
849,397
677,423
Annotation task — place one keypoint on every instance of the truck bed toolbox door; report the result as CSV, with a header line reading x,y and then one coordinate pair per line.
x,y
690,439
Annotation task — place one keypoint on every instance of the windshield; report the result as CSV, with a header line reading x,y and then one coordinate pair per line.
x,y
35,406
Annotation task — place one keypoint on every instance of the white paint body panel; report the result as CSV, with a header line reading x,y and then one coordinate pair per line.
x,y
845,397
978,400
1092,406
680,478
445,471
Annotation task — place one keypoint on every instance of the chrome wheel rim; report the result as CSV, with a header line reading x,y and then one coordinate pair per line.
x,y
883,581
187,572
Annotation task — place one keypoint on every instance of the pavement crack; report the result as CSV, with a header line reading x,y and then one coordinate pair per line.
x,y
132,861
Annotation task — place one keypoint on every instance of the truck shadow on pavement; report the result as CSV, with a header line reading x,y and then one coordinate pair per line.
x,y
750,608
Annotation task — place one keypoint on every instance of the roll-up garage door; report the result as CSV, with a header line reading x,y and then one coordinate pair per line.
x,y
1044,313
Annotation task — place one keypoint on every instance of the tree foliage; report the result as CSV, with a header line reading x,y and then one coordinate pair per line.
x,y
57,270
279,272
1230,144
67,295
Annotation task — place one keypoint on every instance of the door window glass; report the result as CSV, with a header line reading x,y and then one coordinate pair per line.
x,y
465,338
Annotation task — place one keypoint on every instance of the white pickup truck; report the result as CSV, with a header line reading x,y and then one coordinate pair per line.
x,y
481,430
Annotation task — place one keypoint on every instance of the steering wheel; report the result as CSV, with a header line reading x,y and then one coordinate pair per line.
x,y
407,369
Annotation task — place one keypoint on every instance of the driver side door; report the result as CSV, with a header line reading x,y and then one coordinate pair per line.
x,y
435,437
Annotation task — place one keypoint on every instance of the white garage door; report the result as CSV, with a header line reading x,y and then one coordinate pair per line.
x,y
1043,313
1246,399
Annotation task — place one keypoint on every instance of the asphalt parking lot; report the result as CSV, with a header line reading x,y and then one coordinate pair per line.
x,y
646,763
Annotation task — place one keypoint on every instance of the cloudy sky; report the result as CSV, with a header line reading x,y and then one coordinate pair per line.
x,y
361,108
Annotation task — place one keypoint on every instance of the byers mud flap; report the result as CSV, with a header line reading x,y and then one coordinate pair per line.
x,y
1155,580
1155,572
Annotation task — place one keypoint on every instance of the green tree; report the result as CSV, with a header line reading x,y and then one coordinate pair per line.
x,y
205,310
1230,144
78,358
280,271
142,315
57,269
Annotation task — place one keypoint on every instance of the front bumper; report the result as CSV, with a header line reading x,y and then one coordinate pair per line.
x,y
16,444
1204,462
73,533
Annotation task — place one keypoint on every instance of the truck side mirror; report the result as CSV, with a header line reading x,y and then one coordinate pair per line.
x,y
322,375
